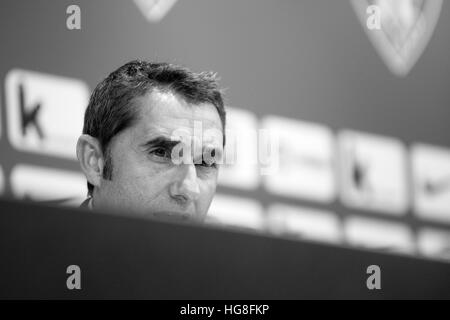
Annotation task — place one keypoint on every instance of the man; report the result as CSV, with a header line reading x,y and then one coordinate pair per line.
x,y
153,140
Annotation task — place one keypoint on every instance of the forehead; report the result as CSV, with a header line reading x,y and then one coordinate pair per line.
x,y
163,113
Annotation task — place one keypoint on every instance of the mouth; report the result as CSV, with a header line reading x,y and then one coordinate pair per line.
x,y
172,215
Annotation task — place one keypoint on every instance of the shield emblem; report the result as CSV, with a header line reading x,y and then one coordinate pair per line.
x,y
405,29
155,10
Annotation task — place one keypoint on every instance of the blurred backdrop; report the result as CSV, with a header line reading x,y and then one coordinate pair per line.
x,y
339,111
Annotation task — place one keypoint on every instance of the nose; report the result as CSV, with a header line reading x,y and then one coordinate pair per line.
x,y
186,188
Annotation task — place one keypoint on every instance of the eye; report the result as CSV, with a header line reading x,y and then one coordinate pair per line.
x,y
209,164
209,159
161,153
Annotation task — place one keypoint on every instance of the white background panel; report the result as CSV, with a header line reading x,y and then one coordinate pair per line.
x,y
307,223
2,181
241,167
237,212
42,184
378,234
431,182
306,159
1,111
59,118
434,243
373,172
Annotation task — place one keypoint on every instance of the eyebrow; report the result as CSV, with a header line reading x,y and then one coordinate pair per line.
x,y
161,142
169,144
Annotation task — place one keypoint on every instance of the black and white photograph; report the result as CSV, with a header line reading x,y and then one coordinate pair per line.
x,y
224,155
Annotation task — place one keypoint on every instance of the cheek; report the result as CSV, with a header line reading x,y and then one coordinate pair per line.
x,y
139,177
144,181
207,190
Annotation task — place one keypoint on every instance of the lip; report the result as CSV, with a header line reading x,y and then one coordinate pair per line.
x,y
172,215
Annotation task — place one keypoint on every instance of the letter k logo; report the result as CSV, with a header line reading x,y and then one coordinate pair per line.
x,y
29,117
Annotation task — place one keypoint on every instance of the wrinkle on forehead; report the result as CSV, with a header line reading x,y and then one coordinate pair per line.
x,y
162,113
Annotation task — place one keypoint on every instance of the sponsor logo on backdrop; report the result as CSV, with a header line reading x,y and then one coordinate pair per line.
x,y
155,10
434,243
236,212
378,234
431,182
373,172
405,28
306,159
52,186
240,169
305,223
45,112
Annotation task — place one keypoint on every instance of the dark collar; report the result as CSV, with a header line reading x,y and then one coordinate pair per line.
x,y
87,204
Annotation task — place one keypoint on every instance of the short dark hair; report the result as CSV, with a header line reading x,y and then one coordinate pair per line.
x,y
110,109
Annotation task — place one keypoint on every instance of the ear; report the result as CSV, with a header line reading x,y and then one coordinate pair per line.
x,y
90,157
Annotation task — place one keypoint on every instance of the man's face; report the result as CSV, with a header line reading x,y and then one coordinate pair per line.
x,y
145,177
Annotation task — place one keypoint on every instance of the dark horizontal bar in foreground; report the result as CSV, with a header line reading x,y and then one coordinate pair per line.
x,y
130,258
